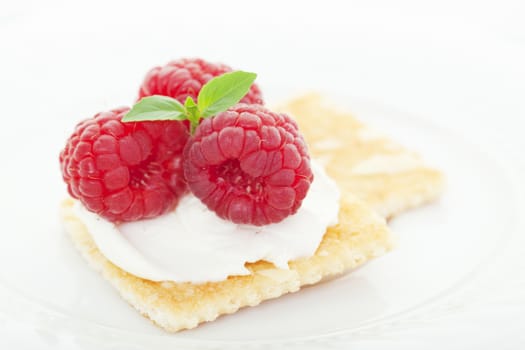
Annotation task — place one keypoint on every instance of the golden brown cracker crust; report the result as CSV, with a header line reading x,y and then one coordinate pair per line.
x,y
360,235
342,143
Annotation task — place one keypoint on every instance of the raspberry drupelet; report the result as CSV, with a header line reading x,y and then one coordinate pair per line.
x,y
125,171
185,77
249,165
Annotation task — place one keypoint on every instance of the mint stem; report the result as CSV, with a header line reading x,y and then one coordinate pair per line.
x,y
193,127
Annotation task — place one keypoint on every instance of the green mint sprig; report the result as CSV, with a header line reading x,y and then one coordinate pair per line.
x,y
217,95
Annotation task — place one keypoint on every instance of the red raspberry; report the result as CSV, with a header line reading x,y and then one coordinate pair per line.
x,y
185,77
125,171
249,165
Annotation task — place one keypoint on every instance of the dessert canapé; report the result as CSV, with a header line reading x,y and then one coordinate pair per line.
x,y
193,205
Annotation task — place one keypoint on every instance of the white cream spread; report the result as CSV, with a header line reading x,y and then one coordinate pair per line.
x,y
192,244
387,164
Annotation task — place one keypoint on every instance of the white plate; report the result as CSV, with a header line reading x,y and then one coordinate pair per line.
x,y
457,266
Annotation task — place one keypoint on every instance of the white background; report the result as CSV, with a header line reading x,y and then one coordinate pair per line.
x,y
380,48
460,64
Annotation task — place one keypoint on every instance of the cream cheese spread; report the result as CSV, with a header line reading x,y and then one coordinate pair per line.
x,y
192,244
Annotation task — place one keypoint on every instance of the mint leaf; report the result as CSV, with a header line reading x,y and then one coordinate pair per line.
x,y
192,113
224,91
156,108
216,96
189,103
192,110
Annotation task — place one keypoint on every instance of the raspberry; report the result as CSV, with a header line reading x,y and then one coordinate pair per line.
x,y
249,165
125,171
185,77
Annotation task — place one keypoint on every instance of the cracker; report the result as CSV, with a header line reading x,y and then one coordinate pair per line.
x,y
360,235
387,176
352,155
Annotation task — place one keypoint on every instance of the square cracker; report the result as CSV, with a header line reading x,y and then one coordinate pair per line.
x,y
388,177
360,235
